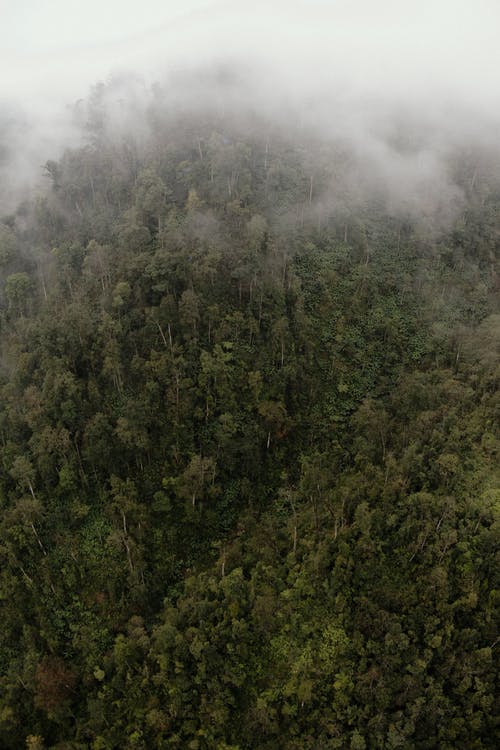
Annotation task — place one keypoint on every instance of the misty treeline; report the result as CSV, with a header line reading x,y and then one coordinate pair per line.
x,y
249,439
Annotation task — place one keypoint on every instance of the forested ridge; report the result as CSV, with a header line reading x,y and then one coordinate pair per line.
x,y
249,447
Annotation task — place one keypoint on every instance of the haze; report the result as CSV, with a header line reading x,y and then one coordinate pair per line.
x,y
347,68
394,49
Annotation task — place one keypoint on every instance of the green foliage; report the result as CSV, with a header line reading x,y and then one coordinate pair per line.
x,y
250,455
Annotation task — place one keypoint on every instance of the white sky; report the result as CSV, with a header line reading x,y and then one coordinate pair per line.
x,y
397,48
346,65
41,26
57,48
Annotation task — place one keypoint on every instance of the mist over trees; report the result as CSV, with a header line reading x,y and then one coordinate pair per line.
x,y
249,429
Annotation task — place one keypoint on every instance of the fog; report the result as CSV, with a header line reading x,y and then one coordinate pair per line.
x,y
360,71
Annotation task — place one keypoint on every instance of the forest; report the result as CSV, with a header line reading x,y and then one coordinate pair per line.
x,y
249,443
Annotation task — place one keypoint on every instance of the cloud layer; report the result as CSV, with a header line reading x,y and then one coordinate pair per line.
x,y
358,70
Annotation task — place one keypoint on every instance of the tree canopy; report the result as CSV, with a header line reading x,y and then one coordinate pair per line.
x,y
249,449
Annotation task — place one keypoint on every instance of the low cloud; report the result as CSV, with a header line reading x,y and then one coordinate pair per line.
x,y
400,84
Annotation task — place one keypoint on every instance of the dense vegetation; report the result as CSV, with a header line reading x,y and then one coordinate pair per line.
x,y
249,450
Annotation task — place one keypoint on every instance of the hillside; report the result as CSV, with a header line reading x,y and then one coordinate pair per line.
x,y
249,444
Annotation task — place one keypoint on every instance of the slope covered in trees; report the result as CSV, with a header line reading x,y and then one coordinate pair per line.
x,y
249,448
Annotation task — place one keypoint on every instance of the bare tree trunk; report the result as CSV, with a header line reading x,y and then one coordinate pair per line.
x,y
42,277
162,334
38,538
28,578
